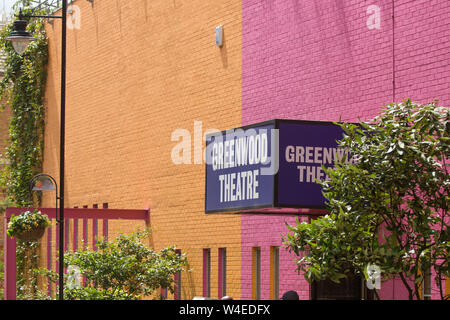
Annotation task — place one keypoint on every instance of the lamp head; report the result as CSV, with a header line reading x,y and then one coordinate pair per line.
x,y
20,37
42,182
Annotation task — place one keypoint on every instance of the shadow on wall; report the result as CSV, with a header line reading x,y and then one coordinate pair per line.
x,y
224,51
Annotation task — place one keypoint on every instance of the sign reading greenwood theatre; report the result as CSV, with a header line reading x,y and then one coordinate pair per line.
x,y
273,164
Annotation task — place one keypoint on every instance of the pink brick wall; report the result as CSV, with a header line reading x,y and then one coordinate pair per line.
x,y
321,60
260,231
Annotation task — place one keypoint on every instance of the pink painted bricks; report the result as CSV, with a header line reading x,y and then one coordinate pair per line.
x,y
331,60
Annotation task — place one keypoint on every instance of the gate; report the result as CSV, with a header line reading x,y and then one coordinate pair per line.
x,y
77,220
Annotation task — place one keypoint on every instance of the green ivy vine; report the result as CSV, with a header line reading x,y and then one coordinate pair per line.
x,y
22,89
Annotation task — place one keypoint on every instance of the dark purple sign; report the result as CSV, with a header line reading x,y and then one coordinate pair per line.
x,y
275,164
303,148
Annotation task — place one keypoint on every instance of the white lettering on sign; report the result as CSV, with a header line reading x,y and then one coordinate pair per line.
x,y
242,151
239,186
309,155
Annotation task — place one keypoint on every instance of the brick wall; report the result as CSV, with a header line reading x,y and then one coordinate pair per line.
x,y
326,60
137,71
264,232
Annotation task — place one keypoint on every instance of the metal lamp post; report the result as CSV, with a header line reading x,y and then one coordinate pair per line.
x,y
20,39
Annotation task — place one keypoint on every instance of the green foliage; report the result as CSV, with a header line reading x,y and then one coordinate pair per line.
x,y
27,253
5,203
22,89
27,221
389,206
124,269
93,293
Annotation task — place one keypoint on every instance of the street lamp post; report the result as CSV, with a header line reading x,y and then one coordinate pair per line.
x,y
20,39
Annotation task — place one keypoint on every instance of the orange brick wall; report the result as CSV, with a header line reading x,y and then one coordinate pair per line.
x,y
137,71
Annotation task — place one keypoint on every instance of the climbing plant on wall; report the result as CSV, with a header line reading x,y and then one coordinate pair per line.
x,y
22,89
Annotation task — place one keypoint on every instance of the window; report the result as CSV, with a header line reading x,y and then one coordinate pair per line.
x,y
177,280
105,223
349,288
207,272
222,272
256,273
426,286
94,230
447,286
274,272
163,294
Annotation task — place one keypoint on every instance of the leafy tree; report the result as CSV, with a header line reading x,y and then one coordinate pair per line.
x,y
388,206
123,269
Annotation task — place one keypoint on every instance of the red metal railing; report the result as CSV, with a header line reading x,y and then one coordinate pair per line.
x,y
72,218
